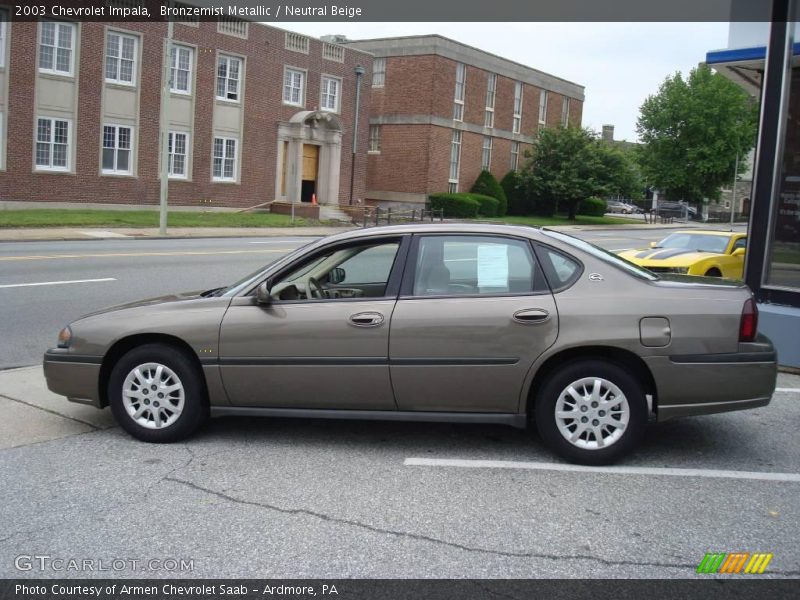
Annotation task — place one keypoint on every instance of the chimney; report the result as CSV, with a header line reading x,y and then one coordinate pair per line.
x,y
608,133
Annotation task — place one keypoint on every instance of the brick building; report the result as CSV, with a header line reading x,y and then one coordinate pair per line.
x,y
256,113
441,111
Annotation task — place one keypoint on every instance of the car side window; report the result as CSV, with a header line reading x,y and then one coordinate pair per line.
x,y
360,271
740,243
560,269
473,265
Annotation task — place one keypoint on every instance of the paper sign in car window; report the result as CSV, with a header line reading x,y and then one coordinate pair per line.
x,y
492,266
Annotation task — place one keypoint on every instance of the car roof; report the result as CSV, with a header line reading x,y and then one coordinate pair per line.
x,y
450,228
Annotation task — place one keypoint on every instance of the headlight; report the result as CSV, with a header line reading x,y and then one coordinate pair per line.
x,y
64,337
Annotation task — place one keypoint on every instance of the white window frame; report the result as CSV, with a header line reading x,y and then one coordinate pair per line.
x,y
171,164
57,36
62,169
228,59
491,94
3,35
543,107
459,92
486,153
116,148
374,139
519,93
119,59
302,94
173,69
455,160
337,97
514,156
222,178
378,72
565,111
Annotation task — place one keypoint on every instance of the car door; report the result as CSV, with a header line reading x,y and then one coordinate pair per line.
x,y
473,315
328,352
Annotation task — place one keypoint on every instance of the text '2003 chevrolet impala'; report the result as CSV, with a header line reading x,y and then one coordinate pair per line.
x,y
460,323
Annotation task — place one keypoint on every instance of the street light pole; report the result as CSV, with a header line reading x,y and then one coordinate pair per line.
x,y
164,120
359,74
733,194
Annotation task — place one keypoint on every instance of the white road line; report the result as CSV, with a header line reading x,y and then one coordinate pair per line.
x,y
787,389
658,471
103,234
15,285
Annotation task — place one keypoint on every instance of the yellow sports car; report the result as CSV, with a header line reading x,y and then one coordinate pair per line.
x,y
694,252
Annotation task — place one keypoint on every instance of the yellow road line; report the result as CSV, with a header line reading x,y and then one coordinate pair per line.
x,y
140,254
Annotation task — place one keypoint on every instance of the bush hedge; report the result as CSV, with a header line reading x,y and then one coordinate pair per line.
x,y
487,205
461,206
487,184
593,207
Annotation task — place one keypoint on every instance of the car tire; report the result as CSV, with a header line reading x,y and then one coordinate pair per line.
x,y
714,272
157,394
615,411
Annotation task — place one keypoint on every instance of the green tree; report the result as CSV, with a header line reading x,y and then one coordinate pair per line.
x,y
512,186
692,130
570,164
487,185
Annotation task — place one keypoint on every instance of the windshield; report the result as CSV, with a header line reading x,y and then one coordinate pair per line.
x,y
603,255
695,241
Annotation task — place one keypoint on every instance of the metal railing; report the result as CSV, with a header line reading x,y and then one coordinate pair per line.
x,y
372,216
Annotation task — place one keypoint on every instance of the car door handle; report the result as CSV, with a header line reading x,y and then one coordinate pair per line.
x,y
366,319
531,316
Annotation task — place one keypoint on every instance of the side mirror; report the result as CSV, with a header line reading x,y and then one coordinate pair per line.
x,y
262,294
738,252
653,244
336,275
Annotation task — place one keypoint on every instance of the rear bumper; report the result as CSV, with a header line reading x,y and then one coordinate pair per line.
x,y
704,384
74,376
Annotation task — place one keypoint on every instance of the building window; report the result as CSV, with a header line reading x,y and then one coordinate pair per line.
x,y
516,125
486,155
565,112
178,145
52,144
56,45
458,98
229,73
491,89
293,81
224,159
181,75
514,156
3,35
378,72
375,138
542,106
455,161
117,141
329,94
120,58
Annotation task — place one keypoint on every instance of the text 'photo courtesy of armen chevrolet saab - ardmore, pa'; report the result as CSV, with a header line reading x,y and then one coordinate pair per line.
x,y
315,300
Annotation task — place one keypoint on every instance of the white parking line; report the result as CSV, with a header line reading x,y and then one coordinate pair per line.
x,y
14,285
658,471
787,390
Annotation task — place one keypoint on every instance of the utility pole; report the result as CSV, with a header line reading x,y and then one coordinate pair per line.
x,y
359,74
164,120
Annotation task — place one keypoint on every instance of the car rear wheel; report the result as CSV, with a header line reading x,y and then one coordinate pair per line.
x,y
591,412
156,394
713,273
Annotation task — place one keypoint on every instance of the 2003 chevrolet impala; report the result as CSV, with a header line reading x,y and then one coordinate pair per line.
x,y
462,323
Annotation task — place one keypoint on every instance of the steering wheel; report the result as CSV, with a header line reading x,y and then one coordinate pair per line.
x,y
312,285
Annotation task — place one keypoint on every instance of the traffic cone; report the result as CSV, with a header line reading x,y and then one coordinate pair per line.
x,y
314,199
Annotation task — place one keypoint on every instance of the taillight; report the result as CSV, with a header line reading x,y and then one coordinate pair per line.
x,y
749,322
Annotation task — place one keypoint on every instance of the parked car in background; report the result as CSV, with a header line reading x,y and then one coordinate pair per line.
x,y
440,322
694,252
676,210
616,206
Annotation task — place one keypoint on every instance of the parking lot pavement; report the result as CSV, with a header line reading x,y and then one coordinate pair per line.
x,y
309,498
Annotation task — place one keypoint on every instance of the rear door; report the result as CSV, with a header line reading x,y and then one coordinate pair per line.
x,y
473,315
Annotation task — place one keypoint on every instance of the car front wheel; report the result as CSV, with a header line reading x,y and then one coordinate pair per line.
x,y
591,412
156,394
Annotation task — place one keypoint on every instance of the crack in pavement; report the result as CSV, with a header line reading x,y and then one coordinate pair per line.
x,y
433,540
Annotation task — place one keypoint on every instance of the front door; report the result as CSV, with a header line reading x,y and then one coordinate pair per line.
x,y
308,184
473,315
323,340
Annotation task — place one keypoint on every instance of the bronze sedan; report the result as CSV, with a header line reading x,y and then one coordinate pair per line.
x,y
460,323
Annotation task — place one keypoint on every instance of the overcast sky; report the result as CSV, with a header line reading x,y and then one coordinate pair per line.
x,y
620,64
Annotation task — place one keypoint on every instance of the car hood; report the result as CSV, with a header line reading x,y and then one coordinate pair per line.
x,y
674,257
179,297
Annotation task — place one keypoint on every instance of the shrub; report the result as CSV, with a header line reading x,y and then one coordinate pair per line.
x,y
515,197
487,205
462,206
487,184
592,207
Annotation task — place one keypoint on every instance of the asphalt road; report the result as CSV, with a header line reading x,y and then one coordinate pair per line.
x,y
110,272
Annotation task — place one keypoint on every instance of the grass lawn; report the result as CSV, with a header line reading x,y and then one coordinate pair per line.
x,y
559,220
46,217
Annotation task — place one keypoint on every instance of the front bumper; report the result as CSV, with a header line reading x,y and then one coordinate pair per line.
x,y
75,376
705,384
